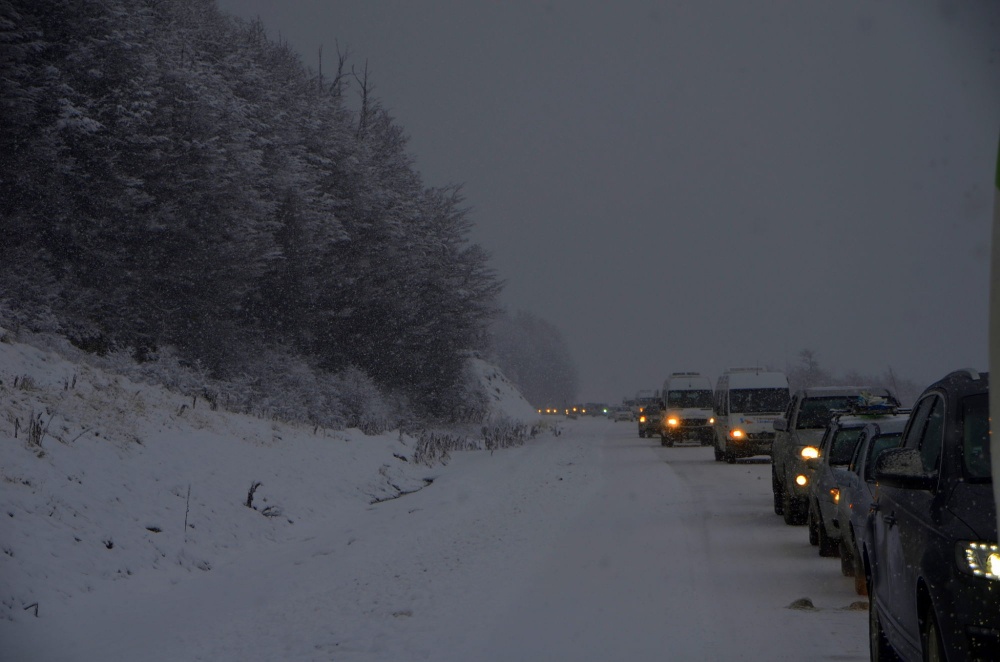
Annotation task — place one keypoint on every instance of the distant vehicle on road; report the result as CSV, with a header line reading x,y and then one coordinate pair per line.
x,y
650,420
747,401
687,399
622,414
644,398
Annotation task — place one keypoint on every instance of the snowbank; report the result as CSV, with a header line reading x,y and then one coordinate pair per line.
x,y
504,401
103,478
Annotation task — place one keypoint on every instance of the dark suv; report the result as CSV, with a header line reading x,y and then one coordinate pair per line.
x,y
934,566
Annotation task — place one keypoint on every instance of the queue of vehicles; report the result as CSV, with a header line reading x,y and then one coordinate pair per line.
x,y
903,497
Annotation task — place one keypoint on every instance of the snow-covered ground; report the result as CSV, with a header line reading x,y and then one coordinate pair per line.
x,y
591,544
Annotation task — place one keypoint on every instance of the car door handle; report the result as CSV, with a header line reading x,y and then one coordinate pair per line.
x,y
890,520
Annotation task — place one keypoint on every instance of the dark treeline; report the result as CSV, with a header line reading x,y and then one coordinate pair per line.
x,y
170,176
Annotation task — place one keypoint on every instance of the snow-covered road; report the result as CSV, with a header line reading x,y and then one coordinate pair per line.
x,y
591,545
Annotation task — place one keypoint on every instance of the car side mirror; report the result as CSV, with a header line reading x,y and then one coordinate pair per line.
x,y
780,425
812,463
903,468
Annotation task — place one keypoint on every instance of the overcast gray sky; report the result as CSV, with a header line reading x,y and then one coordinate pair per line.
x,y
702,184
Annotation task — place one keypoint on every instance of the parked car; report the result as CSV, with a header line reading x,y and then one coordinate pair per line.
x,y
856,493
933,563
797,435
829,469
747,400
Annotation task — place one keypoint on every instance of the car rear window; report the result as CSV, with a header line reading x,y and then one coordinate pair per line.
x,y
817,412
976,436
843,445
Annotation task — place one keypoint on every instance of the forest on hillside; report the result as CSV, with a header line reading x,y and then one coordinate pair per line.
x,y
175,183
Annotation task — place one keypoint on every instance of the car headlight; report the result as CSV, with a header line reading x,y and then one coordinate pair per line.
x,y
981,559
736,433
711,421
673,422
801,480
809,452
642,419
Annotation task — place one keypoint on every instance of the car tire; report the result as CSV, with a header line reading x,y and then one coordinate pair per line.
x,y
860,579
878,644
792,510
776,489
930,637
642,434
663,441
718,454
730,457
827,546
846,558
811,526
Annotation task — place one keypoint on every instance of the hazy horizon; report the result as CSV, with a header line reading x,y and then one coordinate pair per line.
x,y
698,185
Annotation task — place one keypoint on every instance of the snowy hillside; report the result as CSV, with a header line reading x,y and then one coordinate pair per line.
x,y
103,479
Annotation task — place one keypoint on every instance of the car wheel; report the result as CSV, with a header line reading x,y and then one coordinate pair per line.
x,y
811,525
860,587
642,434
730,457
846,558
878,644
860,576
663,441
930,638
776,489
792,510
827,545
718,454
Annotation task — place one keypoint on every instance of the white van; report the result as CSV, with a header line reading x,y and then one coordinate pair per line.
x,y
747,400
687,400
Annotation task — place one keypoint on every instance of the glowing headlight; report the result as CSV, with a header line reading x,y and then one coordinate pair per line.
x,y
835,493
980,559
801,480
673,422
642,419
809,452
711,421
736,433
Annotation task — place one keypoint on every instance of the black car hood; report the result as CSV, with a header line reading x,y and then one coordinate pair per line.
x,y
973,504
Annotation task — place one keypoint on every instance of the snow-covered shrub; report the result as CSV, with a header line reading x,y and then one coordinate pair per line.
x,y
362,405
435,446
504,432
